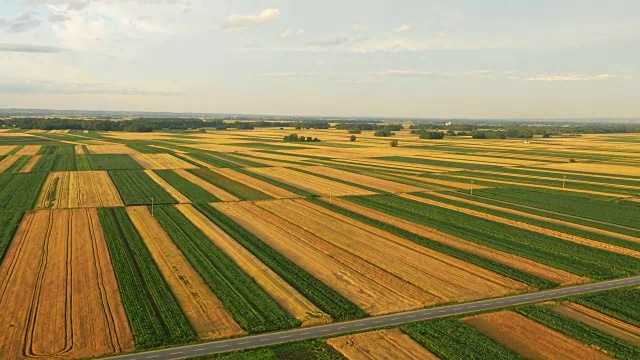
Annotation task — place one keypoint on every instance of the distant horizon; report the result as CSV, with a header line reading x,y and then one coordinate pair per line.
x,y
85,112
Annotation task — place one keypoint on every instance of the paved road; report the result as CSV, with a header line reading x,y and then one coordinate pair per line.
x,y
253,341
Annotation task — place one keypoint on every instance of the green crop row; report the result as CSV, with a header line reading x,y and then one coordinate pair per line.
x,y
314,349
445,163
57,150
50,162
586,334
505,270
20,191
137,188
575,258
623,304
600,210
240,159
342,181
154,314
252,308
238,189
550,214
277,183
542,223
111,162
19,164
192,191
452,339
327,299
9,222
524,181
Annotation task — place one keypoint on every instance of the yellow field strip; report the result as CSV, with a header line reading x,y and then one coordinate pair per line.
x,y
568,180
206,314
525,265
289,298
540,186
542,218
167,187
30,164
8,162
381,344
265,187
596,319
448,183
29,150
534,228
517,332
210,188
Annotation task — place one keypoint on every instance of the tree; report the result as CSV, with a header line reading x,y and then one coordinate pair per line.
x,y
394,143
431,135
291,137
383,132
352,138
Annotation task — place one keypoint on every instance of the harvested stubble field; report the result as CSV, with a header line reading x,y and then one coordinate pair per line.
x,y
382,344
261,186
251,248
62,305
286,296
75,189
516,332
403,266
598,320
206,314
516,262
310,183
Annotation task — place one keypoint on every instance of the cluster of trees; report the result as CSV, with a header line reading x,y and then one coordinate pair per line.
x,y
134,125
424,134
356,127
311,125
295,137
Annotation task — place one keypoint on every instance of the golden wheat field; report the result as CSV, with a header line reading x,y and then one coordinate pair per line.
x,y
119,242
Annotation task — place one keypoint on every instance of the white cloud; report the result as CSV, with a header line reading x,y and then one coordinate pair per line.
x,y
291,34
495,74
22,23
333,41
266,16
568,77
29,48
359,29
289,74
401,29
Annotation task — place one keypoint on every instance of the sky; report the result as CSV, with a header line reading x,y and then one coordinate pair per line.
x,y
413,58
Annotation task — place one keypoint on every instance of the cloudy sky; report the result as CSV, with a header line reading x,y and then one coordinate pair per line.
x,y
425,58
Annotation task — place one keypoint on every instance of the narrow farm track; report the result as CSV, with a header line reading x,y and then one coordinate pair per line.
x,y
335,329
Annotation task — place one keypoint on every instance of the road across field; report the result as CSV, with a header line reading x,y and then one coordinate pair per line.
x,y
254,341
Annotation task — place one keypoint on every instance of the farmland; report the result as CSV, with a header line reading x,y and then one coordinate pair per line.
x,y
170,238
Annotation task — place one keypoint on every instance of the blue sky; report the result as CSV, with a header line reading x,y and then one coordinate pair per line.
x,y
473,58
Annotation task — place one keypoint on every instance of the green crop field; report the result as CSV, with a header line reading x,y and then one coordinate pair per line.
x,y
112,162
136,188
154,315
586,232
238,189
20,191
575,258
252,308
192,191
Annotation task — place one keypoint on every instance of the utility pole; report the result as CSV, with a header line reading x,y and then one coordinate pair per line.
x,y
471,187
152,208
564,179
331,196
